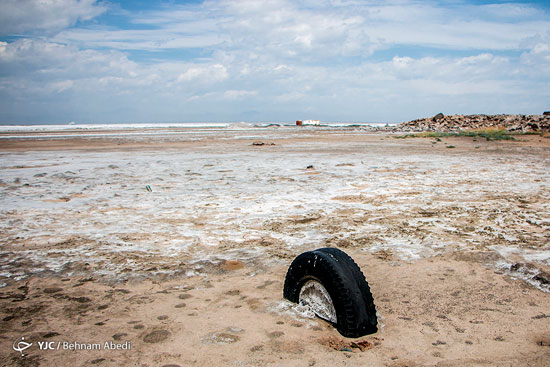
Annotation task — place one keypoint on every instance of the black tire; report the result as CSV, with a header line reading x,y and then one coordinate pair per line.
x,y
345,283
359,278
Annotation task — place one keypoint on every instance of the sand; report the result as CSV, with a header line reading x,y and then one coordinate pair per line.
x,y
453,237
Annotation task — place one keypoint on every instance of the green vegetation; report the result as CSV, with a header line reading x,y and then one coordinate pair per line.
x,y
488,134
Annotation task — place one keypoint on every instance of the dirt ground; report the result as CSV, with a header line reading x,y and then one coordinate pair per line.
x,y
453,237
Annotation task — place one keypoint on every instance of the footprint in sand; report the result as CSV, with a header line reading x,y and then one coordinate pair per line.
x,y
267,283
81,299
275,334
156,336
223,337
119,336
52,290
220,338
51,334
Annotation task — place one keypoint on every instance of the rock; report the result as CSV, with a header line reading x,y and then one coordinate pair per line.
x,y
438,117
457,123
542,277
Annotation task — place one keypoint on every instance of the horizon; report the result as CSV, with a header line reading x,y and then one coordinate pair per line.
x,y
121,62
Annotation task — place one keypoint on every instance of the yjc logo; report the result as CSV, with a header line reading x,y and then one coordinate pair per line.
x,y
46,345
21,345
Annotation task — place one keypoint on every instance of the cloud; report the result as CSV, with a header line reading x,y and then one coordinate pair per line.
x,y
32,16
204,73
333,60
239,94
38,58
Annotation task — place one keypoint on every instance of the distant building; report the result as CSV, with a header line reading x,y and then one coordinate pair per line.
x,y
307,122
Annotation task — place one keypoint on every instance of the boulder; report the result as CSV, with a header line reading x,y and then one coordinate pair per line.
x,y
438,117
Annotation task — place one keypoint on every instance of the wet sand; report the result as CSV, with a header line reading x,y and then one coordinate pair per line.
x,y
453,237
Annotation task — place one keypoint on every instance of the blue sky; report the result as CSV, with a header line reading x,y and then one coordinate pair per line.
x,y
93,61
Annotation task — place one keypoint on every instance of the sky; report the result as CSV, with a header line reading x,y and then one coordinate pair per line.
x,y
88,61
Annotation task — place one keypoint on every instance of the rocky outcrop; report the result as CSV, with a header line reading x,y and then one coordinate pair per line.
x,y
456,123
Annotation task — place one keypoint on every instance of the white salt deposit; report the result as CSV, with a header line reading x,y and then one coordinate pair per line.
x,y
61,208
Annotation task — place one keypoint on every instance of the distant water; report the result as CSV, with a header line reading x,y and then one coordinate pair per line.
x,y
183,125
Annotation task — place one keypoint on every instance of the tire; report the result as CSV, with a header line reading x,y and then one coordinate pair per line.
x,y
349,296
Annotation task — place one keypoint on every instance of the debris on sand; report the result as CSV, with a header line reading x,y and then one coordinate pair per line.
x,y
342,345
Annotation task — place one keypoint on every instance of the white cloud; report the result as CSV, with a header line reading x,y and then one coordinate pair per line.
x,y
29,16
29,57
282,57
62,85
149,40
204,73
239,94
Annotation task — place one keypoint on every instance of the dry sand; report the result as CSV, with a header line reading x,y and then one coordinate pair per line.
x,y
454,242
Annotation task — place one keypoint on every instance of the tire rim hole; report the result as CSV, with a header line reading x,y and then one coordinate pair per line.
x,y
315,296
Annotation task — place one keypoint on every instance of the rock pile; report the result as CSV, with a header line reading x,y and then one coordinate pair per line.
x,y
456,123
